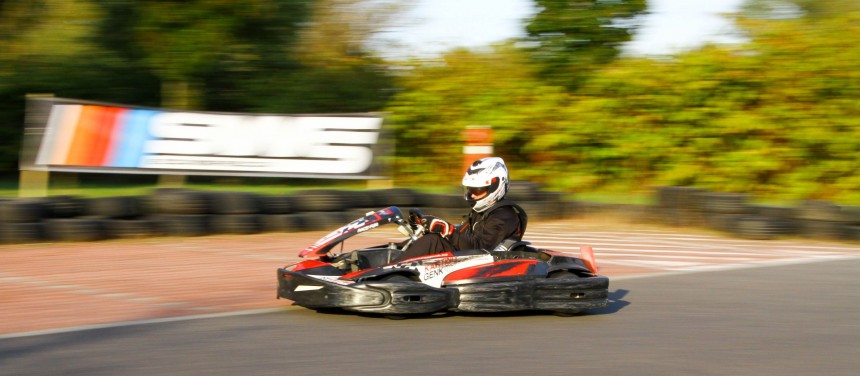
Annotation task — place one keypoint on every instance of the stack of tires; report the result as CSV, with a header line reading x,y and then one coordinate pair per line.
x,y
539,204
826,220
731,213
20,221
681,206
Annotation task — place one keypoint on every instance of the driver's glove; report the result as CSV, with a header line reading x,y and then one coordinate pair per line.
x,y
437,225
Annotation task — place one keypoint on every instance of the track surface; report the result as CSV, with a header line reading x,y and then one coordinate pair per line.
x,y
683,303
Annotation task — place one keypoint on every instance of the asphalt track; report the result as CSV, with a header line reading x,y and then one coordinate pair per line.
x,y
682,304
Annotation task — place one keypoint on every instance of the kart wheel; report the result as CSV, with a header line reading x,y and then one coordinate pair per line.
x,y
563,274
396,278
567,313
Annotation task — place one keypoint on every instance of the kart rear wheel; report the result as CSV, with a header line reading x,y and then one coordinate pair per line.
x,y
397,278
563,274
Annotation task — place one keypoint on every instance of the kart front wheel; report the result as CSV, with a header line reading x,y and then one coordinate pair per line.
x,y
397,278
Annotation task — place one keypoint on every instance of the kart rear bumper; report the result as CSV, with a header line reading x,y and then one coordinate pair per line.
x,y
558,295
372,296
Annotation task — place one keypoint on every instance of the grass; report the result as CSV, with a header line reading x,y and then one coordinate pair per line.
x,y
137,186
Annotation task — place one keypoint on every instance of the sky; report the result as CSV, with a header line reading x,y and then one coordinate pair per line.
x,y
434,26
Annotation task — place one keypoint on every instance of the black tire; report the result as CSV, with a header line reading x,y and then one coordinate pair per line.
x,y
357,199
723,222
118,207
439,200
783,212
75,229
64,206
179,202
283,223
21,211
328,221
825,230
563,274
277,204
680,217
540,210
131,228
235,203
319,200
24,232
680,197
183,224
851,214
815,210
397,278
852,233
761,228
402,197
522,190
725,203
237,224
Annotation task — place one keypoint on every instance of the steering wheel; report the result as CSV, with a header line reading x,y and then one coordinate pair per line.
x,y
416,219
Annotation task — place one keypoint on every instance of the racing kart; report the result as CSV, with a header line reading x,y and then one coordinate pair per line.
x,y
514,276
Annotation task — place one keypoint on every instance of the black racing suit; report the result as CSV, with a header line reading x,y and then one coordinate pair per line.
x,y
484,230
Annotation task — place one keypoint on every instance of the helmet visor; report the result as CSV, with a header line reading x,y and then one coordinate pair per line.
x,y
477,191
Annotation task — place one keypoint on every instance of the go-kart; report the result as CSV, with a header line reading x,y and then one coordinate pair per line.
x,y
512,277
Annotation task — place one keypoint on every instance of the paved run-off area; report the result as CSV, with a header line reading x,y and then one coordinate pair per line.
x,y
55,285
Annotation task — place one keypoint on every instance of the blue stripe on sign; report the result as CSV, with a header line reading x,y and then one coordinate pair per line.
x,y
134,136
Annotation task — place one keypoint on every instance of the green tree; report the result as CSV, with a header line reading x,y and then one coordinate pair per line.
x,y
42,51
440,98
184,43
337,72
774,117
569,39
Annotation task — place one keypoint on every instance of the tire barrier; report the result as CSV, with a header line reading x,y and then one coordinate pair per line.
x,y
82,229
731,213
184,213
277,204
120,207
320,200
22,211
64,206
232,203
179,201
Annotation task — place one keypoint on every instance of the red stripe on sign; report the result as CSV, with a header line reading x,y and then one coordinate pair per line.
x,y
92,135
107,120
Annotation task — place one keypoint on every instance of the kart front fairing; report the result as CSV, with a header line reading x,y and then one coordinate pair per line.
x,y
370,221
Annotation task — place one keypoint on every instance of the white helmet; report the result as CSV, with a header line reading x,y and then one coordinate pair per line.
x,y
486,174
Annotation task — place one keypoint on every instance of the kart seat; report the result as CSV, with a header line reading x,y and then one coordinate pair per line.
x,y
510,244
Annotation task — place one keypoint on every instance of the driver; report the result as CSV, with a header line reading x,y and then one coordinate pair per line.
x,y
491,220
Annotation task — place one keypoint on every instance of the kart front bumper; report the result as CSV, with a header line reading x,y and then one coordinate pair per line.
x,y
371,296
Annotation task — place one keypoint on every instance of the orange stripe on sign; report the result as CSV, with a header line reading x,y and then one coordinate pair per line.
x,y
91,136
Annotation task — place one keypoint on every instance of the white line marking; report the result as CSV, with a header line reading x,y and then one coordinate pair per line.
x,y
140,322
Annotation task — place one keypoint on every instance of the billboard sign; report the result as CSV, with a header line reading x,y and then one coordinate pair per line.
x,y
77,136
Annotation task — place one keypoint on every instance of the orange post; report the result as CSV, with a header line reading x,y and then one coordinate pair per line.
x,y
477,144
